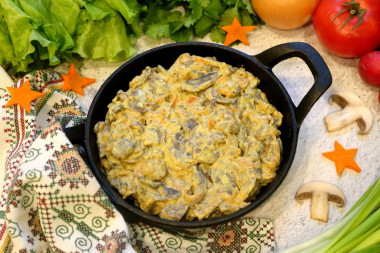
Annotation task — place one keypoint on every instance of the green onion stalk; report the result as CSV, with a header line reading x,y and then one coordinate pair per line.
x,y
358,231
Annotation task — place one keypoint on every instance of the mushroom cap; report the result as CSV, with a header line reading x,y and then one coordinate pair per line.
x,y
347,98
334,193
344,98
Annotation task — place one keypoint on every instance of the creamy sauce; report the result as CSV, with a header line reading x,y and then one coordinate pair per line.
x,y
195,141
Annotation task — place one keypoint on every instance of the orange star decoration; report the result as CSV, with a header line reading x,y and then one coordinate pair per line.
x,y
237,32
343,158
73,81
23,96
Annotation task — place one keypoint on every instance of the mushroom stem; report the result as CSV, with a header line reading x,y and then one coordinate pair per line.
x,y
319,208
339,119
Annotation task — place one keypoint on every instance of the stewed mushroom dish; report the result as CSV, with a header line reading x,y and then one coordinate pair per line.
x,y
195,141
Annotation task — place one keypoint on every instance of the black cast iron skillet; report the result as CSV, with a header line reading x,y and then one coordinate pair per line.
x,y
260,65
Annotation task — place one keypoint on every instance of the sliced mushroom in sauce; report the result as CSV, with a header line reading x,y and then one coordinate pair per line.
x,y
174,211
195,141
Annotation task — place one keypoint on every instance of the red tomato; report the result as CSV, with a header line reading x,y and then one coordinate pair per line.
x,y
347,42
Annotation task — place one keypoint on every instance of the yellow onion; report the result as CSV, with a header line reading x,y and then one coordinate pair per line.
x,y
285,14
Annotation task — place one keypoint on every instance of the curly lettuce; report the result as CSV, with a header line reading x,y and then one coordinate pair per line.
x,y
51,31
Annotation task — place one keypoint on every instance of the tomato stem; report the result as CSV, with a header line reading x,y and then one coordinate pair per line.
x,y
355,11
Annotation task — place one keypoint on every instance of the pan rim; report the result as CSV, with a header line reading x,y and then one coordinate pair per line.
x,y
156,220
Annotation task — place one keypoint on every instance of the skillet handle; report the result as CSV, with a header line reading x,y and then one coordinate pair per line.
x,y
322,76
75,134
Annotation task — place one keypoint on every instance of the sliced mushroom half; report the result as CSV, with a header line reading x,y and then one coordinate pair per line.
x,y
320,194
353,109
199,84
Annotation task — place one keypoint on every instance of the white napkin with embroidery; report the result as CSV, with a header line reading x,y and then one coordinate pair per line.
x,y
51,201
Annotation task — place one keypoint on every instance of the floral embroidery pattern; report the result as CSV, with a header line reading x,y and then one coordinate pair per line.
x,y
51,201
244,235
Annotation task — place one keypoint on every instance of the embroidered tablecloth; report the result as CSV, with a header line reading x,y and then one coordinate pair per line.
x,y
51,202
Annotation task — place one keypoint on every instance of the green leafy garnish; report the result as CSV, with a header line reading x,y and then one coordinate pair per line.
x,y
47,32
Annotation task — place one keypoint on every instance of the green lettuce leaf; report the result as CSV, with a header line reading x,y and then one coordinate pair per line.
x,y
98,10
67,12
39,32
6,48
43,18
92,43
15,18
130,10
